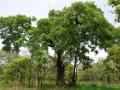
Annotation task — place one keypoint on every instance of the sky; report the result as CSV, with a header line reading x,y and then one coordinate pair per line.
x,y
40,9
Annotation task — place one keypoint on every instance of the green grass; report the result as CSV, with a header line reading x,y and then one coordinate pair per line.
x,y
6,86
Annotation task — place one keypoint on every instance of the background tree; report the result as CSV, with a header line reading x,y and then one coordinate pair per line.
x,y
40,58
18,70
5,58
113,55
116,5
11,29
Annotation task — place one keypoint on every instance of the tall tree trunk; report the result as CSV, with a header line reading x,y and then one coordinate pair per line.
x,y
74,73
60,69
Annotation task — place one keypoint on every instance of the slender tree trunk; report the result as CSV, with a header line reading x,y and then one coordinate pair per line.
x,y
74,73
60,69
38,79
21,80
108,79
44,73
101,80
30,74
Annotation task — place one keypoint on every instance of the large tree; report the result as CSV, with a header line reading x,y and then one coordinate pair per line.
x,y
74,29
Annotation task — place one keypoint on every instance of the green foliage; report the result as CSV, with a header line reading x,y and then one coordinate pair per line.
x,y
40,60
73,30
68,73
114,56
18,69
6,57
78,23
116,5
103,72
11,29
114,2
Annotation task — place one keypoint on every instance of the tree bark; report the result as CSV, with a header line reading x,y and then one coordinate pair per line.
x,y
60,69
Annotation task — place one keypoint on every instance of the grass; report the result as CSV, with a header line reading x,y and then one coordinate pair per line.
x,y
6,86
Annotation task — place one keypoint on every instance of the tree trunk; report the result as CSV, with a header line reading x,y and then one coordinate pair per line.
x,y
76,76
60,69
108,79
39,79
74,73
30,74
